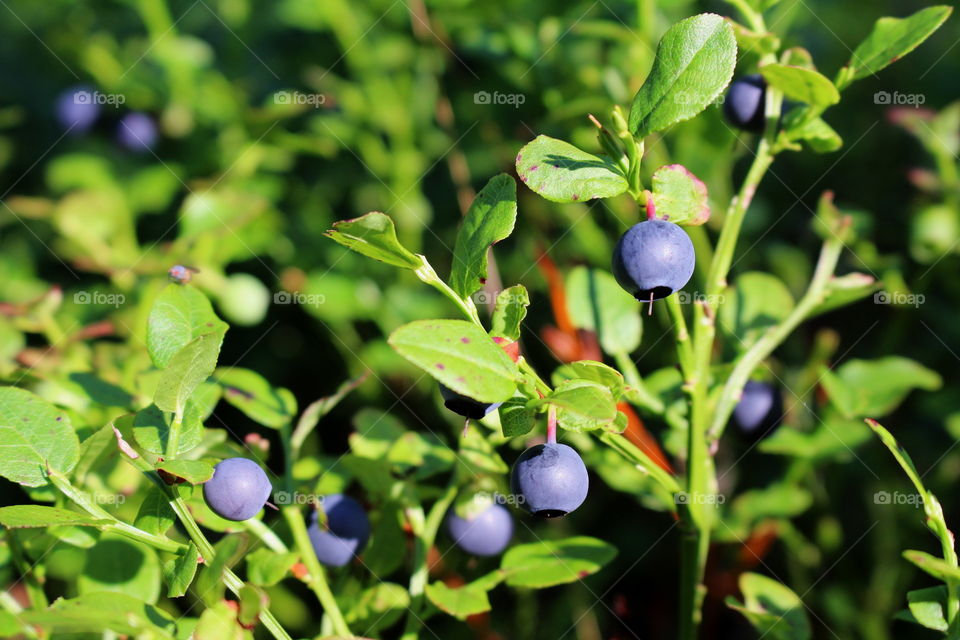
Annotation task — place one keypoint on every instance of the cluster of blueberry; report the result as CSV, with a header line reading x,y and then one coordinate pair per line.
x,y
78,110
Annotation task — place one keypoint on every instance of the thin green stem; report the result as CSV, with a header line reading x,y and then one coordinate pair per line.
x,y
681,334
427,274
641,396
266,535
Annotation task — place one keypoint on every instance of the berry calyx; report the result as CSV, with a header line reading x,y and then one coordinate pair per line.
x,y
346,533
238,489
549,480
653,259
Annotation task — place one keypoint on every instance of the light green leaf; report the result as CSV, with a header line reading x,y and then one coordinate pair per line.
x,y
590,370
581,405
376,607
34,435
266,568
928,606
816,133
155,515
890,40
801,84
516,418
191,471
757,302
374,236
460,355
490,219
678,196
693,64
100,612
552,562
120,565
251,393
748,40
830,440
22,516
936,567
151,430
846,289
460,602
560,172
772,608
187,369
179,315
509,311
178,572
861,388
597,303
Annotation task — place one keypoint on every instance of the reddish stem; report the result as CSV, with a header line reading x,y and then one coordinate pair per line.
x,y
552,425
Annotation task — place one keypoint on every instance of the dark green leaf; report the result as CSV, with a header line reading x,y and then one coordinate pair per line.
x,y
120,565
101,612
509,312
155,515
490,219
179,571
552,562
459,602
861,388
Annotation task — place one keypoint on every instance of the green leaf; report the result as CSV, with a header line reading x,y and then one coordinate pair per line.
x,y
151,430
376,607
460,355
187,369
35,435
374,236
516,418
560,172
252,601
218,622
890,40
801,84
861,388
552,562
178,572
179,315
758,302
831,439
266,568
936,567
773,609
478,456
490,219
678,196
748,40
581,405
590,370
227,552
460,602
251,393
693,65
101,612
900,455
509,311
779,500
22,516
846,289
192,471
155,514
120,565
597,303
928,606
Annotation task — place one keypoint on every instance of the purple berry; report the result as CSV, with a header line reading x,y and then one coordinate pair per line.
x,y
744,103
464,406
238,489
77,110
486,534
653,259
137,131
346,534
549,480
760,408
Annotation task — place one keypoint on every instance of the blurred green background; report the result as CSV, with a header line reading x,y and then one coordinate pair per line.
x,y
277,118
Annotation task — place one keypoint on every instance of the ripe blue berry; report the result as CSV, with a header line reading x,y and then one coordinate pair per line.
x,y
346,533
485,534
137,131
760,408
77,109
549,480
237,490
464,406
653,259
744,103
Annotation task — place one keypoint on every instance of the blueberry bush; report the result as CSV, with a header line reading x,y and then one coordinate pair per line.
x,y
231,407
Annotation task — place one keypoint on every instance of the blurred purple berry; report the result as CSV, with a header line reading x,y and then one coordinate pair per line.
x,y
77,110
137,132
486,534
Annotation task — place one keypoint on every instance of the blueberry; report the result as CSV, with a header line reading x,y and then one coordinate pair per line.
x,y
137,131
464,406
653,259
485,534
549,480
744,103
346,533
77,110
760,408
237,490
